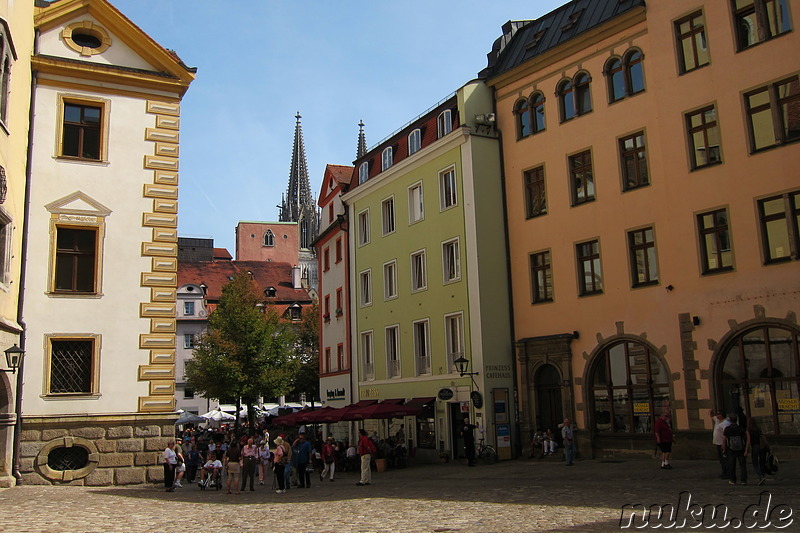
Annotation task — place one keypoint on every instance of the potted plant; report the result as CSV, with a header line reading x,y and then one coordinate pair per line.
x,y
444,457
326,317
338,311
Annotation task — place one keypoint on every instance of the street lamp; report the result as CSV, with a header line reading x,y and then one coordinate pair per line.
x,y
462,364
14,357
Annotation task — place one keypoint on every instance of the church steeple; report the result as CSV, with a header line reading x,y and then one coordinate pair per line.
x,y
362,140
298,194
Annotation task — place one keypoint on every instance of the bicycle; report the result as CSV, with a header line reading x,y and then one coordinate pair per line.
x,y
485,452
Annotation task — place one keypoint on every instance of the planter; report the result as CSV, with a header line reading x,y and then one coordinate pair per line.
x,y
380,465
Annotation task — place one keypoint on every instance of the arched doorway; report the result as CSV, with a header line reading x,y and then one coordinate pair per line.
x,y
757,375
549,408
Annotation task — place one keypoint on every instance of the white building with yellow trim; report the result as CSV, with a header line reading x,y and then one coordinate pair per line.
x,y
101,269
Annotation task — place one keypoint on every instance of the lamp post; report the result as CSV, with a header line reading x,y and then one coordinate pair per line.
x,y
14,358
462,364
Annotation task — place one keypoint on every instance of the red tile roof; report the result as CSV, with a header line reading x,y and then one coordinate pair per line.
x,y
217,274
222,254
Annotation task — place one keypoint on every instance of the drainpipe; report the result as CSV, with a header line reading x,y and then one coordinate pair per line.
x,y
22,262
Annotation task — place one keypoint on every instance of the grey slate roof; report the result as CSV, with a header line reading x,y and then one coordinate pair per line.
x,y
523,40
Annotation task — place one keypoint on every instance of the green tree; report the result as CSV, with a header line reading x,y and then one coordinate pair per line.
x,y
306,380
247,351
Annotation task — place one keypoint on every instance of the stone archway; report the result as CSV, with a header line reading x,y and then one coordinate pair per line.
x,y
7,420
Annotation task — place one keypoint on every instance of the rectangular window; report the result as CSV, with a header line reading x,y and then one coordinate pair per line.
x,y
338,250
73,366
780,227
188,394
6,58
590,278
422,354
6,229
387,213
393,352
365,279
535,195
326,309
76,265
188,308
419,278
454,333
326,364
704,138
447,189
416,210
690,32
363,228
756,21
581,177
367,360
326,259
541,277
188,341
390,280
633,156
773,114
715,241
81,133
451,261
340,361
339,308
644,268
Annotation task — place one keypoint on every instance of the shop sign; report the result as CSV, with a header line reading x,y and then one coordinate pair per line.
x,y
477,399
445,394
641,408
789,406
335,394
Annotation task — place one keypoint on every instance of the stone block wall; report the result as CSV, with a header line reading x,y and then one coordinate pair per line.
x,y
122,450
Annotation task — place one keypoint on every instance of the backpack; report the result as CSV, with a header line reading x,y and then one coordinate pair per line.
x,y
771,464
736,443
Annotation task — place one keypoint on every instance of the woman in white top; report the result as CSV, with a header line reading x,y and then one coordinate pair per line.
x,y
170,461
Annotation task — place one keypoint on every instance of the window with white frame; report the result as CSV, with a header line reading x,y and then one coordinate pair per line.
x,y
387,215
390,280
419,278
7,56
363,228
188,341
6,228
414,141
188,308
393,352
365,281
387,158
447,188
451,261
444,123
454,333
367,357
416,210
363,172
422,353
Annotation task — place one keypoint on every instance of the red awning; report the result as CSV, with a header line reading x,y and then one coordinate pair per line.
x,y
384,410
419,402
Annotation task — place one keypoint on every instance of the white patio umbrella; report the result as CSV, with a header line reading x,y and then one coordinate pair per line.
x,y
218,416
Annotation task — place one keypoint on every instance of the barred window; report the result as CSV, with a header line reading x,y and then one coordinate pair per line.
x,y
71,366
71,458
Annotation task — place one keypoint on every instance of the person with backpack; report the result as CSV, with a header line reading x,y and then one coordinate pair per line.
x,y
366,449
735,448
754,449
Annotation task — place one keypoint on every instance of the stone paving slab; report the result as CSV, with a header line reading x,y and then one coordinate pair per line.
x,y
512,496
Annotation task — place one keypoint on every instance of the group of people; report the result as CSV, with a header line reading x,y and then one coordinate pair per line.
x,y
735,439
548,441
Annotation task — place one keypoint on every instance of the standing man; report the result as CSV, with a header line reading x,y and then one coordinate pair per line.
x,y
734,446
569,441
304,451
468,434
664,438
718,438
249,461
365,449
170,461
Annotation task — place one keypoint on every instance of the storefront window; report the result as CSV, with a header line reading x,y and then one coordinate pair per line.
x,y
758,375
631,387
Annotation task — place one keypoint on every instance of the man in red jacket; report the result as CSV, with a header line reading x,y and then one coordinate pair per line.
x,y
366,449
664,438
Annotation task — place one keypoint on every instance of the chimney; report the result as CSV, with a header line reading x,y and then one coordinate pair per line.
x,y
296,284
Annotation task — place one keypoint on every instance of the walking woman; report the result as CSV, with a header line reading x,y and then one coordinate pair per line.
x,y
170,461
754,449
280,462
233,457
264,460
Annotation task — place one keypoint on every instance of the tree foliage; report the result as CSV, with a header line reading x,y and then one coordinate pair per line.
x,y
306,380
247,350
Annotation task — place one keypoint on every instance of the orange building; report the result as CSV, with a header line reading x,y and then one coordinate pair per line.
x,y
653,201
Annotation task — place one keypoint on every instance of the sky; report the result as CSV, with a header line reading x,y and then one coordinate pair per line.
x,y
259,62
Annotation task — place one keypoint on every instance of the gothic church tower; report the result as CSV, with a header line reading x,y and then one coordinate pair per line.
x,y
298,205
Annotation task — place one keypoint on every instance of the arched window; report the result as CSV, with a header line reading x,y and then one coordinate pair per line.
x,y
523,112
565,100
616,79
444,123
363,172
386,158
634,72
757,373
629,387
583,96
537,111
269,238
414,141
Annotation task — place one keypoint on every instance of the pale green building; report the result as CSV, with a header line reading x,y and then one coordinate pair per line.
x,y
429,277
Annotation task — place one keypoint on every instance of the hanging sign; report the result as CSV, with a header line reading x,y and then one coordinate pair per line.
x,y
445,394
477,399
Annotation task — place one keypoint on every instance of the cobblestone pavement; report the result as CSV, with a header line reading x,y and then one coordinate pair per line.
x,y
512,496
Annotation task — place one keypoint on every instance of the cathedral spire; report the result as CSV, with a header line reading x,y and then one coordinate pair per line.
x,y
362,140
299,205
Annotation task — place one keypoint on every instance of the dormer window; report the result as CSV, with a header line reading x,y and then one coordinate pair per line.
x,y
572,21
444,123
386,158
295,312
414,141
270,292
363,172
537,38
